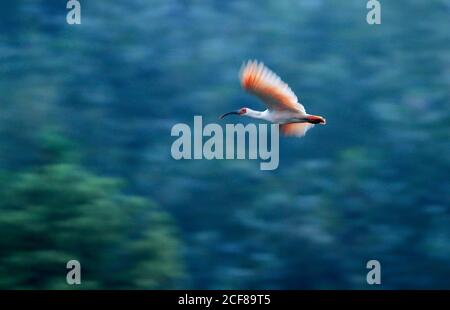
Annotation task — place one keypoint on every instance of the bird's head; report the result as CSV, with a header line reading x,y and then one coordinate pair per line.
x,y
241,111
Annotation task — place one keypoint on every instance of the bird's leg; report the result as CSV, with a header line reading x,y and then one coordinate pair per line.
x,y
314,119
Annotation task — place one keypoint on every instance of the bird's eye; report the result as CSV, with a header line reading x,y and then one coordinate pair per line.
x,y
243,110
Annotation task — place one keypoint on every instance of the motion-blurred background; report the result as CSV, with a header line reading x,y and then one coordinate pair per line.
x,y
86,171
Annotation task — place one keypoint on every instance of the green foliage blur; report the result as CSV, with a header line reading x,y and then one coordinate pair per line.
x,y
85,119
58,211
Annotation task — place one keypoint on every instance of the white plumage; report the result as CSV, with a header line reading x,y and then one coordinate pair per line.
x,y
281,102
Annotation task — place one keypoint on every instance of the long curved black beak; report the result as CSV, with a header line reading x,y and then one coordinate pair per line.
x,y
229,113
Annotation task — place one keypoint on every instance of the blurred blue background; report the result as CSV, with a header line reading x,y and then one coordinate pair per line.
x,y
85,166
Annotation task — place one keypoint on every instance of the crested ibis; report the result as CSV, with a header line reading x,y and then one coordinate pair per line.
x,y
282,104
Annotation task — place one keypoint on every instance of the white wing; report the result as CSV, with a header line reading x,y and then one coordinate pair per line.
x,y
295,129
266,85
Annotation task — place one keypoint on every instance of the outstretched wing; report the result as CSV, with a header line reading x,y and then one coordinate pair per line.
x,y
259,80
295,129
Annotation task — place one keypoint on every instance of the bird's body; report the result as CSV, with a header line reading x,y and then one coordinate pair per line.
x,y
282,104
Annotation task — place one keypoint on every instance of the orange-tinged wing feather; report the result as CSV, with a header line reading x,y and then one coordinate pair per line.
x,y
259,80
295,129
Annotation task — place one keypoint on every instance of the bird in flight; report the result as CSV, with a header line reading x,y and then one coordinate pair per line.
x,y
282,104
